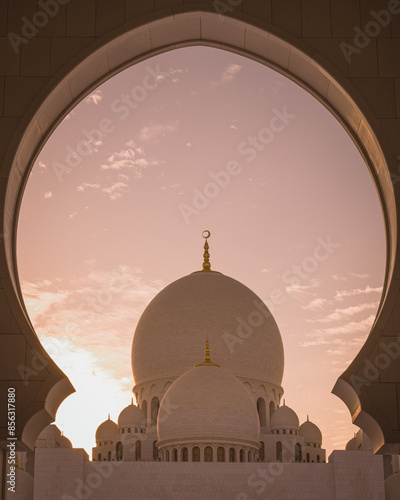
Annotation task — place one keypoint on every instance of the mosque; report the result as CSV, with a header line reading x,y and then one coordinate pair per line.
x,y
206,426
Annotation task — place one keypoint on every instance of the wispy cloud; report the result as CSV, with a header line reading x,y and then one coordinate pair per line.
x,y
133,159
157,130
340,314
302,291
350,327
94,97
357,291
41,167
228,75
313,343
361,276
315,304
97,311
336,277
86,185
115,190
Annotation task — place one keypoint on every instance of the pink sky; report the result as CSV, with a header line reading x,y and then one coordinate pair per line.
x,y
98,240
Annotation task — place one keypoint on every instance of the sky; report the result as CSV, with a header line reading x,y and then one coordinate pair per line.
x,y
200,138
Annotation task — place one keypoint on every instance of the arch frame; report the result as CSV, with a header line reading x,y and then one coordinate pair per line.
x,y
258,40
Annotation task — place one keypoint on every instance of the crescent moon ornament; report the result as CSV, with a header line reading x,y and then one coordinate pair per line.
x,y
206,234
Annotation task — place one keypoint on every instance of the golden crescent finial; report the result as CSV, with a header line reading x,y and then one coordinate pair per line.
x,y
206,264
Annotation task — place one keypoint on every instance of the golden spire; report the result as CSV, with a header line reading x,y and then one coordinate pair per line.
x,y
308,418
284,402
207,359
131,401
206,256
206,264
108,416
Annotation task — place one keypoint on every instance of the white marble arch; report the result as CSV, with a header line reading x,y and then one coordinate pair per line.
x,y
165,28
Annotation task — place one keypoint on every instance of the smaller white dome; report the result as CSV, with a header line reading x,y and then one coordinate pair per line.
x,y
310,432
132,417
284,418
106,430
64,442
208,403
51,437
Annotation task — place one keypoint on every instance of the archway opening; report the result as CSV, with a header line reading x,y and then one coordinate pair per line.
x,y
133,161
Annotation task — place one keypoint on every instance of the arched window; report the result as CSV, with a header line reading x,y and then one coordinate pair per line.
x,y
308,457
196,454
277,431
185,455
119,451
262,414
144,409
109,456
138,450
174,455
284,431
279,451
315,445
129,430
155,450
271,409
167,456
221,454
318,458
208,454
261,453
241,456
249,456
297,452
155,405
291,432
99,456
232,455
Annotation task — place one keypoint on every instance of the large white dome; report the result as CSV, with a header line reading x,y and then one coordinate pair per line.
x,y
171,331
207,403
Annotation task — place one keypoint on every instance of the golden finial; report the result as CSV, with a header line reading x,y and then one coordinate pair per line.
x,y
108,416
206,264
308,418
284,402
131,401
207,358
206,256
